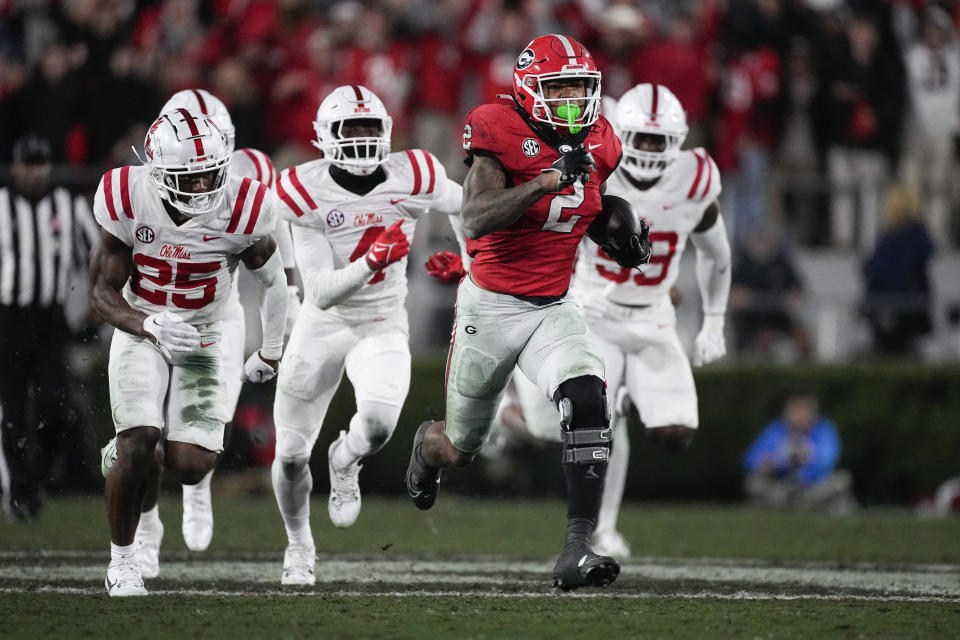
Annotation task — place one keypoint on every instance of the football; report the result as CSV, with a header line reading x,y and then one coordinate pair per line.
x,y
621,232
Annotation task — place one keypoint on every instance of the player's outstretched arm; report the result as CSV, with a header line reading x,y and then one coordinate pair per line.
x,y
109,270
263,261
488,205
713,280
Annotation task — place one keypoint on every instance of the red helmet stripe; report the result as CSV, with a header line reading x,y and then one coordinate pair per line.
x,y
108,194
416,172
201,102
194,131
653,102
238,205
359,94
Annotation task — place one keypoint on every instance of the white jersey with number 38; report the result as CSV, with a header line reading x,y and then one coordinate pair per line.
x,y
187,269
317,206
672,207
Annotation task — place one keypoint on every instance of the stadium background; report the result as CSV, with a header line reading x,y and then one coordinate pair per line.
x,y
754,76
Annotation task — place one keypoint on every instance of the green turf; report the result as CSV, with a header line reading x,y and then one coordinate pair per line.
x,y
525,529
66,616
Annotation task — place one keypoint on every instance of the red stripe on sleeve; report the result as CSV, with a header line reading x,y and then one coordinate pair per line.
x,y
289,201
255,209
299,187
125,192
416,172
108,194
238,205
256,163
696,181
430,171
709,164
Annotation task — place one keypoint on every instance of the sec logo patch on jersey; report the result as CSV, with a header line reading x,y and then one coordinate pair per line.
x,y
145,234
335,218
530,147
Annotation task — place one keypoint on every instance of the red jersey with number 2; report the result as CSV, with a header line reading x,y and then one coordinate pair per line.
x,y
535,255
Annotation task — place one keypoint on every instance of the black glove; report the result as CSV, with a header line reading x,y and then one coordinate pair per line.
x,y
573,165
633,250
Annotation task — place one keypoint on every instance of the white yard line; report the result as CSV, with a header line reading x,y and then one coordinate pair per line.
x,y
698,595
939,582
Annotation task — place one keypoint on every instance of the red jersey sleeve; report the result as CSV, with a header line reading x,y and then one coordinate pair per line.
x,y
483,132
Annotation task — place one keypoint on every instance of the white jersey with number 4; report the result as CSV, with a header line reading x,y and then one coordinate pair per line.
x,y
186,269
316,205
673,207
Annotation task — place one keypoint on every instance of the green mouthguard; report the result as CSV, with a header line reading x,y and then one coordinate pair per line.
x,y
571,112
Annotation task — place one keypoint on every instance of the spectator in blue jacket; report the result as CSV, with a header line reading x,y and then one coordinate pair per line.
x,y
792,463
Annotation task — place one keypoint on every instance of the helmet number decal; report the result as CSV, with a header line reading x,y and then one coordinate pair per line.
x,y
556,221
467,136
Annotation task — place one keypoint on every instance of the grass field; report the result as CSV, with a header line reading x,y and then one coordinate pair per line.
x,y
481,569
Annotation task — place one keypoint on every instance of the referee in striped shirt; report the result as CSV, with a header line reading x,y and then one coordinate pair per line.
x,y
46,235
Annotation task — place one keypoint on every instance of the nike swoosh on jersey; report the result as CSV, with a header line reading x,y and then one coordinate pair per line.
x,y
207,238
591,147
209,344
397,201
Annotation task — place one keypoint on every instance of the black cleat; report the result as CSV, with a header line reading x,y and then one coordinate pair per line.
x,y
578,566
423,482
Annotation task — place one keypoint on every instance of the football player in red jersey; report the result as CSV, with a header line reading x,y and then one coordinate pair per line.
x,y
538,168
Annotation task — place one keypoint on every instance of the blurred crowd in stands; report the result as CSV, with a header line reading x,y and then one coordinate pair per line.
x,y
811,108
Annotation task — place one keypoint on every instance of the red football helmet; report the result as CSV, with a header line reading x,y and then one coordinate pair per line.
x,y
556,57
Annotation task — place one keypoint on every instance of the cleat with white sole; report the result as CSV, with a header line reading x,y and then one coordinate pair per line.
x,y
124,579
298,566
198,514
344,502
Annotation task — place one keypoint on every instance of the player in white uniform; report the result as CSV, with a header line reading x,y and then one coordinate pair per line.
x,y
174,231
630,312
245,163
352,213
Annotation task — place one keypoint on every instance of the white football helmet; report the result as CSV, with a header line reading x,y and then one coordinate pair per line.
x,y
180,145
361,155
202,101
649,109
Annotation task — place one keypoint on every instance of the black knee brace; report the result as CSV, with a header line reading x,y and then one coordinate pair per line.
x,y
583,415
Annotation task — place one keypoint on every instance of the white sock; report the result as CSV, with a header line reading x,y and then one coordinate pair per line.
x,y
150,519
200,486
122,552
616,477
293,499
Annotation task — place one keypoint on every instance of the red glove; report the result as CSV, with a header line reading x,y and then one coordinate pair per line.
x,y
390,246
445,266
